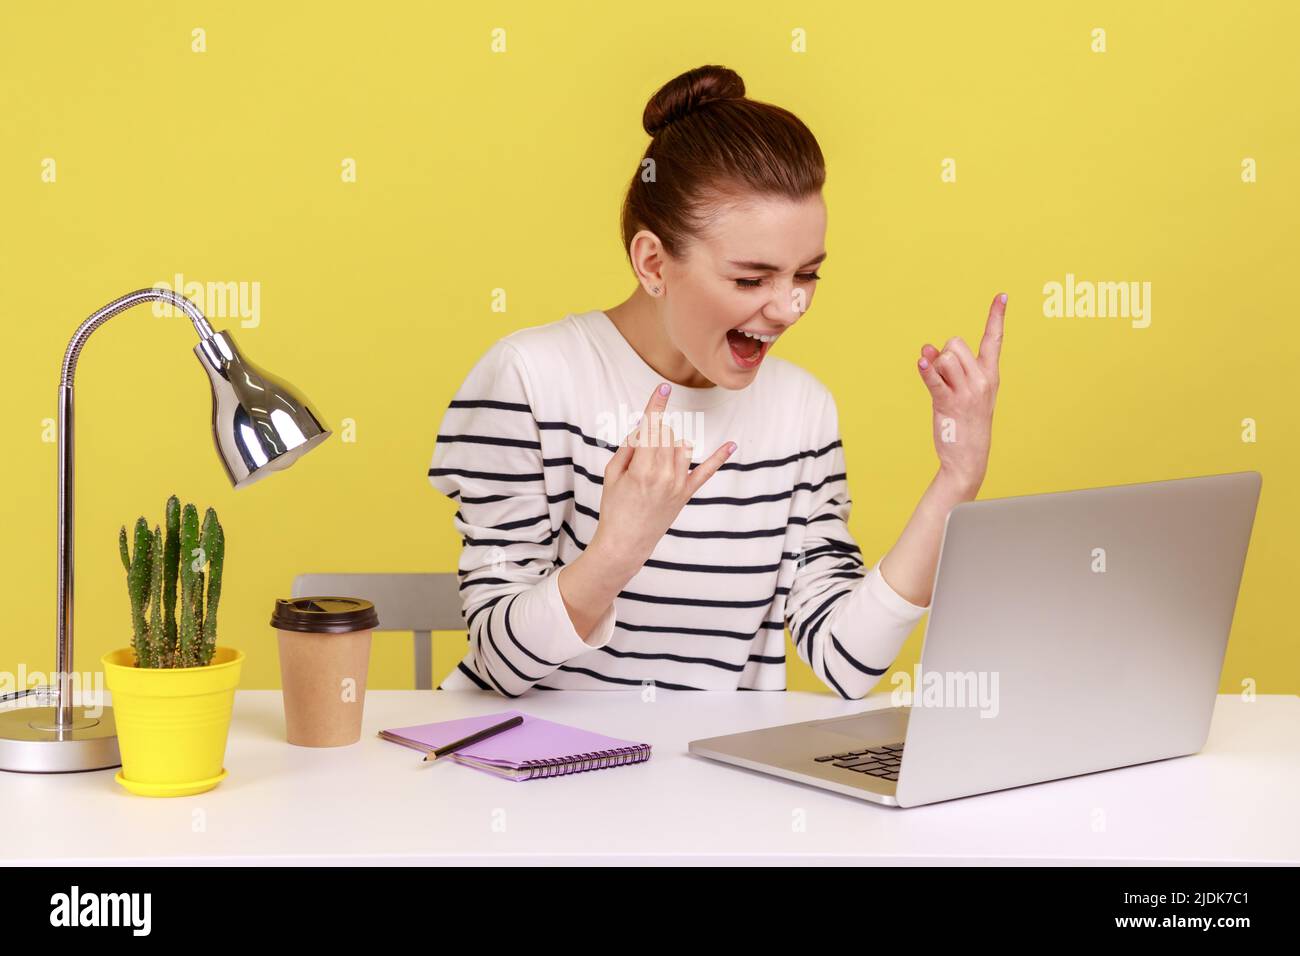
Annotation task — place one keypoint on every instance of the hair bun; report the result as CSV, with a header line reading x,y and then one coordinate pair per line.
x,y
685,94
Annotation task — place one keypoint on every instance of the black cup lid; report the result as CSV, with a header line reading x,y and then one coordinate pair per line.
x,y
324,615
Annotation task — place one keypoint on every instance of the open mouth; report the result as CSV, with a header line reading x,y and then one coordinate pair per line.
x,y
746,350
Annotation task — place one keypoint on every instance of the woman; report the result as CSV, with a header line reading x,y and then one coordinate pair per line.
x,y
591,562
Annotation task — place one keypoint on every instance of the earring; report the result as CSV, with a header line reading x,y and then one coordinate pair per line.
x,y
655,290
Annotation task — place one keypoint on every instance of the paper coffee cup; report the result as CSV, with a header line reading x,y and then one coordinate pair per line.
x,y
324,657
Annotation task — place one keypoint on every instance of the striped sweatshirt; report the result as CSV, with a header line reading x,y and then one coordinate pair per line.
x,y
763,546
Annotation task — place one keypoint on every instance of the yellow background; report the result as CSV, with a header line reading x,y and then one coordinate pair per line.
x,y
478,171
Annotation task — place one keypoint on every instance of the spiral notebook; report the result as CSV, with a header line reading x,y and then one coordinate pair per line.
x,y
536,748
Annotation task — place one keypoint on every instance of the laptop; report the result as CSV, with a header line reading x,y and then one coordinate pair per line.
x,y
1068,633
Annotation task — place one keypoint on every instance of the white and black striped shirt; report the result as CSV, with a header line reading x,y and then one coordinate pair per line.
x,y
764,544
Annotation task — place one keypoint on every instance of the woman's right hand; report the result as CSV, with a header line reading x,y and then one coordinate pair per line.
x,y
647,483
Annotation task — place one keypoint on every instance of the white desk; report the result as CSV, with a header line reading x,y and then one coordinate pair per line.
x,y
376,802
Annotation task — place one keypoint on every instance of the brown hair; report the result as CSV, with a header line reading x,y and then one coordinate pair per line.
x,y
711,143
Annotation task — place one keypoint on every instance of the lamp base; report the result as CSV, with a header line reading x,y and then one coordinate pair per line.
x,y
29,742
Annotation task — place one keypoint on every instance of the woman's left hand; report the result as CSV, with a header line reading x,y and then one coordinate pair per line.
x,y
964,388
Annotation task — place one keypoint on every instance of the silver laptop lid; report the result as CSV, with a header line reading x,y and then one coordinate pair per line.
x,y
1075,631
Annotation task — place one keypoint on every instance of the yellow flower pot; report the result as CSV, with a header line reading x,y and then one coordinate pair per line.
x,y
172,723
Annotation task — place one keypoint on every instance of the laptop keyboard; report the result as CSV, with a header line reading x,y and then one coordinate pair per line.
x,y
882,760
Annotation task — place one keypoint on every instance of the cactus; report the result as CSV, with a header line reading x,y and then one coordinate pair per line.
x,y
214,548
137,584
152,571
189,545
198,619
171,558
157,647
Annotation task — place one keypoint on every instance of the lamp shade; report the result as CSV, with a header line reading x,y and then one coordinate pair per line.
x,y
260,422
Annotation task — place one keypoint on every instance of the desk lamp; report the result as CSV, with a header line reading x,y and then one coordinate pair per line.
x,y
260,423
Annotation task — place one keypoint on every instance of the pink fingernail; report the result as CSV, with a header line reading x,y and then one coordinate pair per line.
x,y
664,388
1003,298
731,448
924,364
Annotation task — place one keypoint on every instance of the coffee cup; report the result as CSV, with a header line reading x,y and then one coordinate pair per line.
x,y
324,658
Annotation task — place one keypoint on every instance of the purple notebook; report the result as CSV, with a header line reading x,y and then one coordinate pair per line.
x,y
536,748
